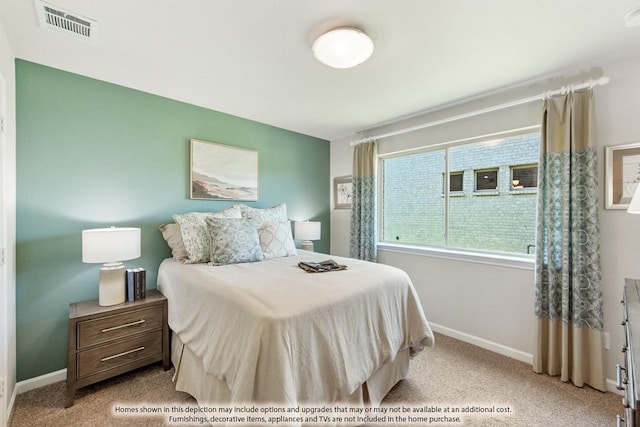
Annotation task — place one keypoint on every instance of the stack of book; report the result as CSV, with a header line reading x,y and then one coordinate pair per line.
x,y
136,283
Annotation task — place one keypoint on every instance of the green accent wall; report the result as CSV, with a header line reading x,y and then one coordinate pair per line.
x,y
94,154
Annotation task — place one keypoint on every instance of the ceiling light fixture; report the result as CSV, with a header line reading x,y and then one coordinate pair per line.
x,y
632,18
343,47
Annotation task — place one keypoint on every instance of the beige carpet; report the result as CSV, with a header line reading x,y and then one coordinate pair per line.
x,y
453,375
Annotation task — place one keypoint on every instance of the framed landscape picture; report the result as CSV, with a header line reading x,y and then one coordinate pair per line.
x,y
622,174
223,172
342,188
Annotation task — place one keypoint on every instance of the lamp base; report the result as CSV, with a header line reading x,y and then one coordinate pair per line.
x,y
307,245
111,289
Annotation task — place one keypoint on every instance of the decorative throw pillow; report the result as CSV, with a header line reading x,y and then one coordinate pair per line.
x,y
276,213
234,241
276,239
195,233
171,234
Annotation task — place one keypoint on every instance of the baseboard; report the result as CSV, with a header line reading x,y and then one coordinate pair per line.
x,y
483,343
32,384
501,349
11,404
41,381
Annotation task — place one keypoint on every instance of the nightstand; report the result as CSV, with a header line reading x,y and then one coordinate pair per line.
x,y
108,341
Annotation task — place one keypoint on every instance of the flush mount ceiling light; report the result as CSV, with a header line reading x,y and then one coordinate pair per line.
x,y
632,18
343,47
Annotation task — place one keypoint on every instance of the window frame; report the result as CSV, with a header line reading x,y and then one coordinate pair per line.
x,y
453,192
504,259
485,190
523,166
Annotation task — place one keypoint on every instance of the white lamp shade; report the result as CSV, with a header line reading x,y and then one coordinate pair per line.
x,y
307,230
343,47
634,206
632,18
102,245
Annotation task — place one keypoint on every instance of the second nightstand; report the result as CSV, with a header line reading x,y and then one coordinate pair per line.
x,y
108,341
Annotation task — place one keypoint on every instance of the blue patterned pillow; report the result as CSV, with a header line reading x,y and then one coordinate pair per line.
x,y
195,233
234,241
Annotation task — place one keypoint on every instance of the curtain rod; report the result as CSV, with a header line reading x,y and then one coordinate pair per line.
x,y
545,95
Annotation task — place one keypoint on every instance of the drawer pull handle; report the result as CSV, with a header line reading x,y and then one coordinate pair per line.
x,y
126,325
619,380
104,359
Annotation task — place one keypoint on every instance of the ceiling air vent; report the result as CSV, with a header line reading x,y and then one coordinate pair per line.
x,y
57,19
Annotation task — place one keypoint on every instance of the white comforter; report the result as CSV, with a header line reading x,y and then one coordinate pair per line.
x,y
277,334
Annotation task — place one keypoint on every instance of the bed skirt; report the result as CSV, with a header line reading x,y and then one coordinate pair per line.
x,y
190,377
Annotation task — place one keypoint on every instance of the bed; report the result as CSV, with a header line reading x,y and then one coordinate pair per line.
x,y
269,332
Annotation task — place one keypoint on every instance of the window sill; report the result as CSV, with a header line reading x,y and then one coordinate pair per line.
x,y
523,191
523,262
486,193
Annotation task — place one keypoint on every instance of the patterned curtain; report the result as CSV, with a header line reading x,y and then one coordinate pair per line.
x,y
363,202
568,295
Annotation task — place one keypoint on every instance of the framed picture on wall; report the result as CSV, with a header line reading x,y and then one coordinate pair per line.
x,y
223,172
622,167
342,188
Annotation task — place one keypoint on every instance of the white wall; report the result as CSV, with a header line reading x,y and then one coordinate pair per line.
x,y
7,231
341,159
493,305
617,110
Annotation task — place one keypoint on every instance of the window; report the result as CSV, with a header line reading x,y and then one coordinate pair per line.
x,y
414,211
412,202
524,177
487,180
456,182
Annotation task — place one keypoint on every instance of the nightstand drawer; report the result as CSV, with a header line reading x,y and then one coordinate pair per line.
x,y
103,358
92,332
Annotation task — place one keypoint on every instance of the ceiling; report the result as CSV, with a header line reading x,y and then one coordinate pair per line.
x,y
253,59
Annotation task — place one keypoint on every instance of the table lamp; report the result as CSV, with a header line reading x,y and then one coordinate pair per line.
x,y
111,246
307,231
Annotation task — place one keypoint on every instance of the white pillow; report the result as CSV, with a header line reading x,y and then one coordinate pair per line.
x,y
171,234
276,239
